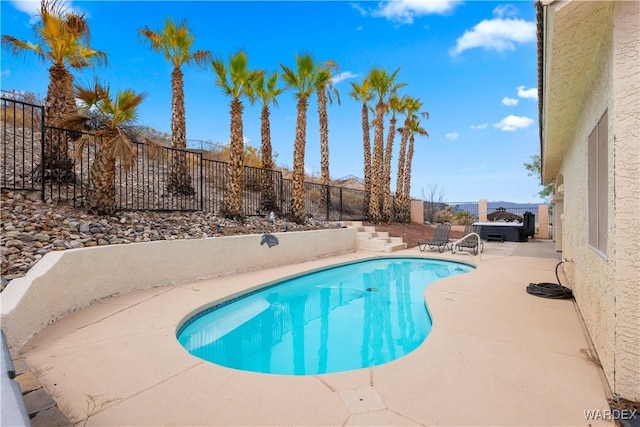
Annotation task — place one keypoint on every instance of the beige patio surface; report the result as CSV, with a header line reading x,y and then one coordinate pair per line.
x,y
495,356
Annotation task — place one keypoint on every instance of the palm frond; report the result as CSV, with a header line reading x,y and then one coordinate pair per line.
x,y
220,71
82,142
154,39
123,150
201,58
74,121
18,47
90,96
302,80
76,26
127,102
154,150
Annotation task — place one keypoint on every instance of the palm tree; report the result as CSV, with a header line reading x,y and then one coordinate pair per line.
x,y
62,39
411,111
383,84
324,90
395,105
235,82
112,143
363,93
414,129
174,42
303,82
266,91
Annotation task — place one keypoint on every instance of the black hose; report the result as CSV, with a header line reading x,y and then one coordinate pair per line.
x,y
550,290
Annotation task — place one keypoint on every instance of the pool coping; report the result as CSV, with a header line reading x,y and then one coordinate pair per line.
x,y
475,368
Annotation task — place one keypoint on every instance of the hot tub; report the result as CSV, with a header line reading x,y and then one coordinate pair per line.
x,y
502,231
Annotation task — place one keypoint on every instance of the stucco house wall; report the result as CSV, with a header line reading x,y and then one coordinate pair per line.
x,y
606,286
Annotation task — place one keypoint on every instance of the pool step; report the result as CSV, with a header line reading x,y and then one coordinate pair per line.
x,y
368,239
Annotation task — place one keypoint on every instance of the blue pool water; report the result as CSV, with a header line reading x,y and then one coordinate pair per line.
x,y
342,318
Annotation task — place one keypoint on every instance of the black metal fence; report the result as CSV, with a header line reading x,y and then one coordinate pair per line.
x,y
144,186
22,146
431,208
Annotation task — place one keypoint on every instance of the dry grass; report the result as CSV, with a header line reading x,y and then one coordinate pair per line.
x,y
21,118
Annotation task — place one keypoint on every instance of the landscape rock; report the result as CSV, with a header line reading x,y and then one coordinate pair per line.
x,y
31,228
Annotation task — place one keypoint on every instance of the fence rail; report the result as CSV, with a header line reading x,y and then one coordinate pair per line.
x,y
431,208
144,187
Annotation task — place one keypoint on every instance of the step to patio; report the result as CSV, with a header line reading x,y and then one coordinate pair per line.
x,y
368,239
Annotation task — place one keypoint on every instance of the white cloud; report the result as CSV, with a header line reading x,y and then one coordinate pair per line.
x,y
528,93
6,72
512,123
499,34
32,8
343,76
510,102
359,8
452,136
505,10
404,11
479,127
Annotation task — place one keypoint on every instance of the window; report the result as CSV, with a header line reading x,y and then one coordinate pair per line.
x,y
598,185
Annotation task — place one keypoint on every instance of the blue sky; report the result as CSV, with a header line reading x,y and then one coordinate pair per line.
x,y
472,64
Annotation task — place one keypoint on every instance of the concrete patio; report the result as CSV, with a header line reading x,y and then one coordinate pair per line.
x,y
496,356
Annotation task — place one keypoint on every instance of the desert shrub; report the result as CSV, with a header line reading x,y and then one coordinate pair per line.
x,y
251,155
21,116
463,218
443,216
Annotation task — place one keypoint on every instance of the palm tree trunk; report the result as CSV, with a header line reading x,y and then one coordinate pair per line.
x,y
406,196
366,142
378,165
60,102
267,185
233,193
179,176
103,173
324,146
324,137
298,211
402,155
386,194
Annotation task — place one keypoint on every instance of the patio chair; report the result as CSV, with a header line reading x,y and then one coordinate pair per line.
x,y
440,239
470,240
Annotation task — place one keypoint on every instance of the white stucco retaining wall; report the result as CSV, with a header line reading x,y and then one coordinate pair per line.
x,y
65,281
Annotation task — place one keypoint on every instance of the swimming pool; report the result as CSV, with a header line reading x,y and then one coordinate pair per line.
x,y
342,318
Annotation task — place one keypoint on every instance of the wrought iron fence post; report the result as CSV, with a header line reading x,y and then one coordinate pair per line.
x,y
201,182
327,197
42,180
341,206
281,193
